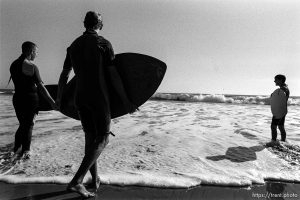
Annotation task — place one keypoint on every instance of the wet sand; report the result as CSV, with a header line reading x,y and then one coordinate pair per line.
x,y
274,190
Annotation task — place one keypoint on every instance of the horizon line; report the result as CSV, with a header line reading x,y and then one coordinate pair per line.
x,y
193,93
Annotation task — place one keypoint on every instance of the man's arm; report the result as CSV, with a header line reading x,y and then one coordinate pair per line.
x,y
63,78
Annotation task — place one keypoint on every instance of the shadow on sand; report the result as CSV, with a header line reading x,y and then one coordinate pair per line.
x,y
238,154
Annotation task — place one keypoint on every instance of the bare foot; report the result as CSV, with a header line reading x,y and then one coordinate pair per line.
x,y
80,189
94,184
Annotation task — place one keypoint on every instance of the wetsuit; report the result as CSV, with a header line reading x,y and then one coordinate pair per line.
x,y
89,55
25,101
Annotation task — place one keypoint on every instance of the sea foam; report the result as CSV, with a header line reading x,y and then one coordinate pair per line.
x,y
168,144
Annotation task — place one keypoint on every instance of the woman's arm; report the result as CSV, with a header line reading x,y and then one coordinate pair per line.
x,y
46,95
41,87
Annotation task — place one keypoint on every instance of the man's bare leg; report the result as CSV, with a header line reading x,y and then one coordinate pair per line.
x,y
90,138
89,159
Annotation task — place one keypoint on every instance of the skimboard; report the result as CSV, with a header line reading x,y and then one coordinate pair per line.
x,y
278,103
141,76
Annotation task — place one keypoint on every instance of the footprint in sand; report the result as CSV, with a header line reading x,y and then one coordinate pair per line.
x,y
211,126
140,165
236,125
143,133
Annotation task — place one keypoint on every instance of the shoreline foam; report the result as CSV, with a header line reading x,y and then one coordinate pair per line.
x,y
166,144
53,191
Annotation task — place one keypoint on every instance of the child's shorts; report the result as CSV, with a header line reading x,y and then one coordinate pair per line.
x,y
278,121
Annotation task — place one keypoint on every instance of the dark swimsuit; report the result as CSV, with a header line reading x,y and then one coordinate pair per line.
x,y
25,101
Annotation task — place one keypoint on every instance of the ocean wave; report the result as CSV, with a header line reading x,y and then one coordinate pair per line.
x,y
219,98
143,179
154,180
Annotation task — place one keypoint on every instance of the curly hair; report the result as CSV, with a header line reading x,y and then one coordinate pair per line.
x,y
280,77
92,20
27,47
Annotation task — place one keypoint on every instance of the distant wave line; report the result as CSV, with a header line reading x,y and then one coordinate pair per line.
x,y
220,98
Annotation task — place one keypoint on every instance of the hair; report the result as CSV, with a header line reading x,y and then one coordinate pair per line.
x,y
92,20
27,47
280,77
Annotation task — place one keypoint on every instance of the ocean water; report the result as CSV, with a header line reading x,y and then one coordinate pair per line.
x,y
175,140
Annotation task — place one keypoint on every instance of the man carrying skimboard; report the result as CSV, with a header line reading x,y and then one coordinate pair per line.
x,y
279,110
91,56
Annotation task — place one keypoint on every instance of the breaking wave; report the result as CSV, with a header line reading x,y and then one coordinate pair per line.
x,y
220,98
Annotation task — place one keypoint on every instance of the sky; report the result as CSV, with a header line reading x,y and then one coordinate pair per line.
x,y
209,46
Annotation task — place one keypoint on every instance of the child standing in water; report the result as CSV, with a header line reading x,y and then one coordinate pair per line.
x,y
279,110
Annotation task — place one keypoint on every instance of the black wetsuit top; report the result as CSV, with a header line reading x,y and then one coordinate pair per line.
x,y
24,84
89,54
25,97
